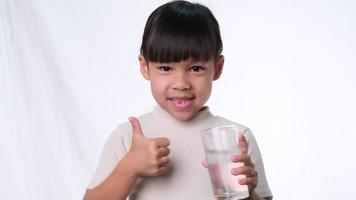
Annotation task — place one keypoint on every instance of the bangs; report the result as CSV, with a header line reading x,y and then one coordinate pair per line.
x,y
173,44
180,35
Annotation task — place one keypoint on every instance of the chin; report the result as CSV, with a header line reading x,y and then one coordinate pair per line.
x,y
182,116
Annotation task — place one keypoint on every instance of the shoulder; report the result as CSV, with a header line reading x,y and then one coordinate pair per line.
x,y
218,120
125,127
122,134
246,131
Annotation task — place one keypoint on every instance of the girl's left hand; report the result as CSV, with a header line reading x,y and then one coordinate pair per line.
x,y
248,169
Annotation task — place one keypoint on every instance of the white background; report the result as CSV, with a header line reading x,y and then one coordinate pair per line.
x,y
69,74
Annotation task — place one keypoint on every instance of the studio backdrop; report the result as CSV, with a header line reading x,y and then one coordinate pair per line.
x,y
69,75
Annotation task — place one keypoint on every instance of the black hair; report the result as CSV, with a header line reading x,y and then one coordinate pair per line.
x,y
180,30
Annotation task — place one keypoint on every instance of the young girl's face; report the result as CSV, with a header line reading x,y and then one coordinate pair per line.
x,y
181,88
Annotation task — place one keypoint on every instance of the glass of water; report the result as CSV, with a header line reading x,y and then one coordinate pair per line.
x,y
220,143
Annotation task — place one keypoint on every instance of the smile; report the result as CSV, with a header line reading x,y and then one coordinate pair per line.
x,y
182,102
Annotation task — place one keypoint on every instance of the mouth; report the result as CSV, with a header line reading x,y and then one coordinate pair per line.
x,y
182,102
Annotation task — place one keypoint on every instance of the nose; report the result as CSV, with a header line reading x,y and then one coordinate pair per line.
x,y
181,82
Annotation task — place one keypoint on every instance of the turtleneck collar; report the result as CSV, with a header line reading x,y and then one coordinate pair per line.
x,y
162,115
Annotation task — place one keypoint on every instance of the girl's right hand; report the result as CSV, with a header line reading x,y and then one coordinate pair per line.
x,y
147,156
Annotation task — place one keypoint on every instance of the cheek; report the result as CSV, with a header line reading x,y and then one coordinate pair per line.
x,y
204,87
158,88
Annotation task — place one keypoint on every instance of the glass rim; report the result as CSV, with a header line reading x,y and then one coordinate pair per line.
x,y
225,127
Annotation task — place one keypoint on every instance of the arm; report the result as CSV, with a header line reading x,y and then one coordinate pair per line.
x,y
117,186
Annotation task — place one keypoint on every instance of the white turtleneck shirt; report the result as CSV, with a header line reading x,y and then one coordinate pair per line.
x,y
187,178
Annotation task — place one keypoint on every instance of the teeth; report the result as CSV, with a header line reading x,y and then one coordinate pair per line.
x,y
182,98
182,101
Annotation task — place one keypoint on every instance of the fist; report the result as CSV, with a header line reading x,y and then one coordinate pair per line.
x,y
148,156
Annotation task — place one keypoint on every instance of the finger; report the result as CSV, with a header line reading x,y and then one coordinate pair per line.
x,y
248,171
204,163
162,170
250,181
245,158
161,142
136,127
164,161
243,144
163,151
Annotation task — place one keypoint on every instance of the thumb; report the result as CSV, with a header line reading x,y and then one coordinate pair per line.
x,y
136,127
243,145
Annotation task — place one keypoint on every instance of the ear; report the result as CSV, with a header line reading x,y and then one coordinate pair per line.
x,y
144,67
218,68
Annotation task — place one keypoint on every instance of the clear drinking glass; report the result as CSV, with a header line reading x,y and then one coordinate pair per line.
x,y
220,143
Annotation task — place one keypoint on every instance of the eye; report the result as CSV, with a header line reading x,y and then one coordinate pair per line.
x,y
165,68
197,68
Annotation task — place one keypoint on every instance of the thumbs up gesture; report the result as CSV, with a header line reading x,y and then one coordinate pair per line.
x,y
148,156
